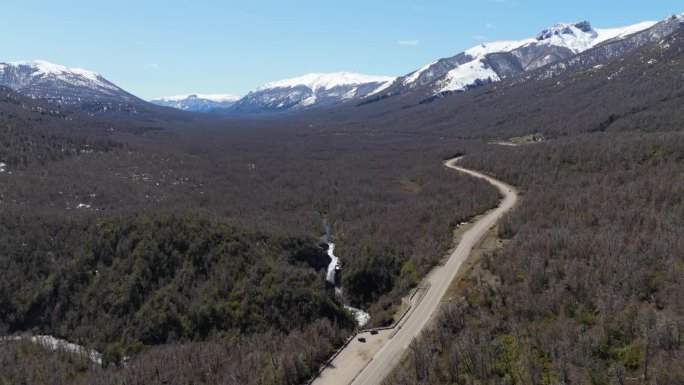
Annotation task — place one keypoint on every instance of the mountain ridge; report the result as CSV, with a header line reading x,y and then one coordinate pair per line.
x,y
494,61
69,87
197,102
476,66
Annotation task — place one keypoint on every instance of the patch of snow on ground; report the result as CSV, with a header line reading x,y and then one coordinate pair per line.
x,y
467,74
2,167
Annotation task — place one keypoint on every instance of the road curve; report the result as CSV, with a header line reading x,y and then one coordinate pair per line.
x,y
370,363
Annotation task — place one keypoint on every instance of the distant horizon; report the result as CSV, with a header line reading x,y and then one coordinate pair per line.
x,y
219,48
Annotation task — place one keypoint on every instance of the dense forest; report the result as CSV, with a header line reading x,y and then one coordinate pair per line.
x,y
202,240
189,251
588,290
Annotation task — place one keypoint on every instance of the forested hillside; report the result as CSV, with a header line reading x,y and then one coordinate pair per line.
x,y
193,249
589,288
33,132
188,249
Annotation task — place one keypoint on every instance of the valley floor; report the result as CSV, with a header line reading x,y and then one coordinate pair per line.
x,y
370,362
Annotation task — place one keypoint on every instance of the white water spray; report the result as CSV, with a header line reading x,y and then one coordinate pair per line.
x,y
334,264
361,316
54,343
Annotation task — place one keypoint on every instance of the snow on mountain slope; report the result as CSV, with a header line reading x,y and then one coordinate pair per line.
x,y
308,91
484,63
612,48
41,69
483,49
468,74
198,102
490,62
320,81
74,87
210,97
581,36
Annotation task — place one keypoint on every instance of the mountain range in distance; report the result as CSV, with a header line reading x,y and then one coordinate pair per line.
x,y
554,50
197,102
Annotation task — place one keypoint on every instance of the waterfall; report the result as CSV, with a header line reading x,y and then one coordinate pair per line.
x,y
54,343
361,316
334,263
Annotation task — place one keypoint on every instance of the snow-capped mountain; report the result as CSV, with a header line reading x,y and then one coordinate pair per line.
x,y
612,48
70,87
198,102
491,62
557,49
311,90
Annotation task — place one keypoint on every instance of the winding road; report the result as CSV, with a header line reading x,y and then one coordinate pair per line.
x,y
369,363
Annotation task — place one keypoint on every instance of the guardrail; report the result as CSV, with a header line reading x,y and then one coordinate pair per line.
x,y
395,325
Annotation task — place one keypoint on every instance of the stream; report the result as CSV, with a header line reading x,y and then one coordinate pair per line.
x,y
54,343
334,264
361,316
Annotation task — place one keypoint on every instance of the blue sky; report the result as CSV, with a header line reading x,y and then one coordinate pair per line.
x,y
158,48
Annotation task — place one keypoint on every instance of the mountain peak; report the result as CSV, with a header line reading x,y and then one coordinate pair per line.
x,y
197,102
45,68
32,71
493,61
316,81
209,97
57,84
574,29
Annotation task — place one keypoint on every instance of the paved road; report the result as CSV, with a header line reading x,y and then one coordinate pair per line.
x,y
370,363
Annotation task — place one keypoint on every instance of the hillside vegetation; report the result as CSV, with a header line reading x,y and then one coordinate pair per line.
x,y
589,288
193,252
189,251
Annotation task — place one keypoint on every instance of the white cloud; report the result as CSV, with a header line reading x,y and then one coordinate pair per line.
x,y
412,42
489,25
480,37
151,65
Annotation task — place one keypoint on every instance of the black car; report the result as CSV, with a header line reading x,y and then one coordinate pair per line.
x,y
362,339
374,331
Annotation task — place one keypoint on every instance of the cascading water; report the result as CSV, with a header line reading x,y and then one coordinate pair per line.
x,y
334,264
330,275
55,343
361,316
